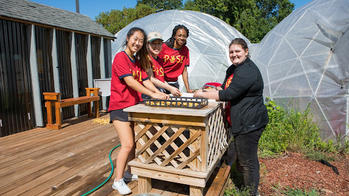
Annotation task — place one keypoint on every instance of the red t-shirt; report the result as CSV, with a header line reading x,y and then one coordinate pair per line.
x,y
158,70
174,61
227,108
123,96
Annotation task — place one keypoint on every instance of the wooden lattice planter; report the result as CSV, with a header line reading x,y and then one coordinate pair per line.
x,y
177,144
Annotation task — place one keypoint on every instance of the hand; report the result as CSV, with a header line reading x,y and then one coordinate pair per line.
x,y
190,91
198,93
175,92
209,89
160,96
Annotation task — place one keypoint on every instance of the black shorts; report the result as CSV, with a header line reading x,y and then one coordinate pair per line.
x,y
118,115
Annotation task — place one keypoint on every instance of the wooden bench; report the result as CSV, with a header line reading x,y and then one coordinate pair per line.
x,y
54,99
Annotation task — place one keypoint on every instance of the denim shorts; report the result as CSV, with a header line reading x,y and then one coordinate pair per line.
x,y
118,115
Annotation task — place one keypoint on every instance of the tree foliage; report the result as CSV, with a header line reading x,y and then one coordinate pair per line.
x,y
162,4
253,18
115,20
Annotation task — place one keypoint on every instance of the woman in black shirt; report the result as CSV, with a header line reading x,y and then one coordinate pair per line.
x,y
246,113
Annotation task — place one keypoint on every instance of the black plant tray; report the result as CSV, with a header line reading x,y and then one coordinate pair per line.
x,y
179,102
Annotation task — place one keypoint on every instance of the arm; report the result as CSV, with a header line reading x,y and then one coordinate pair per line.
x,y
149,85
185,80
240,84
134,84
212,94
174,91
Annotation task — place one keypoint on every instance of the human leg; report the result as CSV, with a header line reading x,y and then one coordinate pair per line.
x,y
126,135
246,148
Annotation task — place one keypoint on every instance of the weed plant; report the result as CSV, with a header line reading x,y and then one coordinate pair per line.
x,y
291,130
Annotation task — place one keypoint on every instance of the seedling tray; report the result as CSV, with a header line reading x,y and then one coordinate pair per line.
x,y
179,102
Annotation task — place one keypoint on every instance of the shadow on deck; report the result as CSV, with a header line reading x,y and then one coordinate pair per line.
x,y
72,161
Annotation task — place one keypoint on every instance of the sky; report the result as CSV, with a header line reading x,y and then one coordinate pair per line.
x,y
92,8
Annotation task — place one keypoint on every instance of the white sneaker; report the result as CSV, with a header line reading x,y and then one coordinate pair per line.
x,y
121,187
128,177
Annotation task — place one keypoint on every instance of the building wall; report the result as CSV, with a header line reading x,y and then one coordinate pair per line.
x,y
43,38
16,103
16,92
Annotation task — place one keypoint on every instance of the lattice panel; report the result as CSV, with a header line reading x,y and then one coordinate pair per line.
x,y
217,136
168,145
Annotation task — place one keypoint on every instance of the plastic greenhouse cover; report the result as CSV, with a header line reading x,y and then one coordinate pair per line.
x,y
208,42
305,62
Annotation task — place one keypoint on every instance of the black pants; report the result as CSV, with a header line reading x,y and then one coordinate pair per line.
x,y
243,150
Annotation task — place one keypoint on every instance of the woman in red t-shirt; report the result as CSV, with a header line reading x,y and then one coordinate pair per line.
x,y
176,57
129,81
156,72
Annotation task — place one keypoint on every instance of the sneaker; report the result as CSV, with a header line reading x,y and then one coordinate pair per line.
x,y
128,177
121,186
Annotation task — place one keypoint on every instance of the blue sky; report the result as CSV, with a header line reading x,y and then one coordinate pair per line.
x,y
92,8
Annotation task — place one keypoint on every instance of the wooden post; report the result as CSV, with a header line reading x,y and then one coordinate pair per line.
x,y
196,191
144,184
95,92
58,115
48,106
51,98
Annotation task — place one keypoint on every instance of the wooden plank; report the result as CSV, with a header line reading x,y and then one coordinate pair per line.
x,y
220,181
191,158
167,143
37,157
196,191
150,141
181,148
41,145
62,160
168,119
170,177
78,100
203,112
144,184
25,187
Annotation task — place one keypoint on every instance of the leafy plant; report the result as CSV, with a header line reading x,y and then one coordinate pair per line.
x,y
298,192
291,130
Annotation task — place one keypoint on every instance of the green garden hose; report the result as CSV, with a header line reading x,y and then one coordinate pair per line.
x,y
110,175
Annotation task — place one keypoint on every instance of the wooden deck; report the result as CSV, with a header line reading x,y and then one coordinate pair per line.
x,y
72,161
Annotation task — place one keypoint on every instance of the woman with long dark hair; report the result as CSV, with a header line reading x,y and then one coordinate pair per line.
x,y
129,81
175,55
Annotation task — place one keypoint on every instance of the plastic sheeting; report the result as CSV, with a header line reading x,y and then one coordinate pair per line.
x,y
208,42
305,62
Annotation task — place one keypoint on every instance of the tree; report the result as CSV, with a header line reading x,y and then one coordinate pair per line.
x,y
115,20
162,4
253,18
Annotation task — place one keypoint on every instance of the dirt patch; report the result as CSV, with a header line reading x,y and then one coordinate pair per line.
x,y
294,171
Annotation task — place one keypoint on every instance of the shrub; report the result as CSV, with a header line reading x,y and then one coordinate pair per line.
x,y
290,130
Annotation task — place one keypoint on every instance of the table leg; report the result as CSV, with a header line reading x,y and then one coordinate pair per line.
x,y
196,191
144,184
